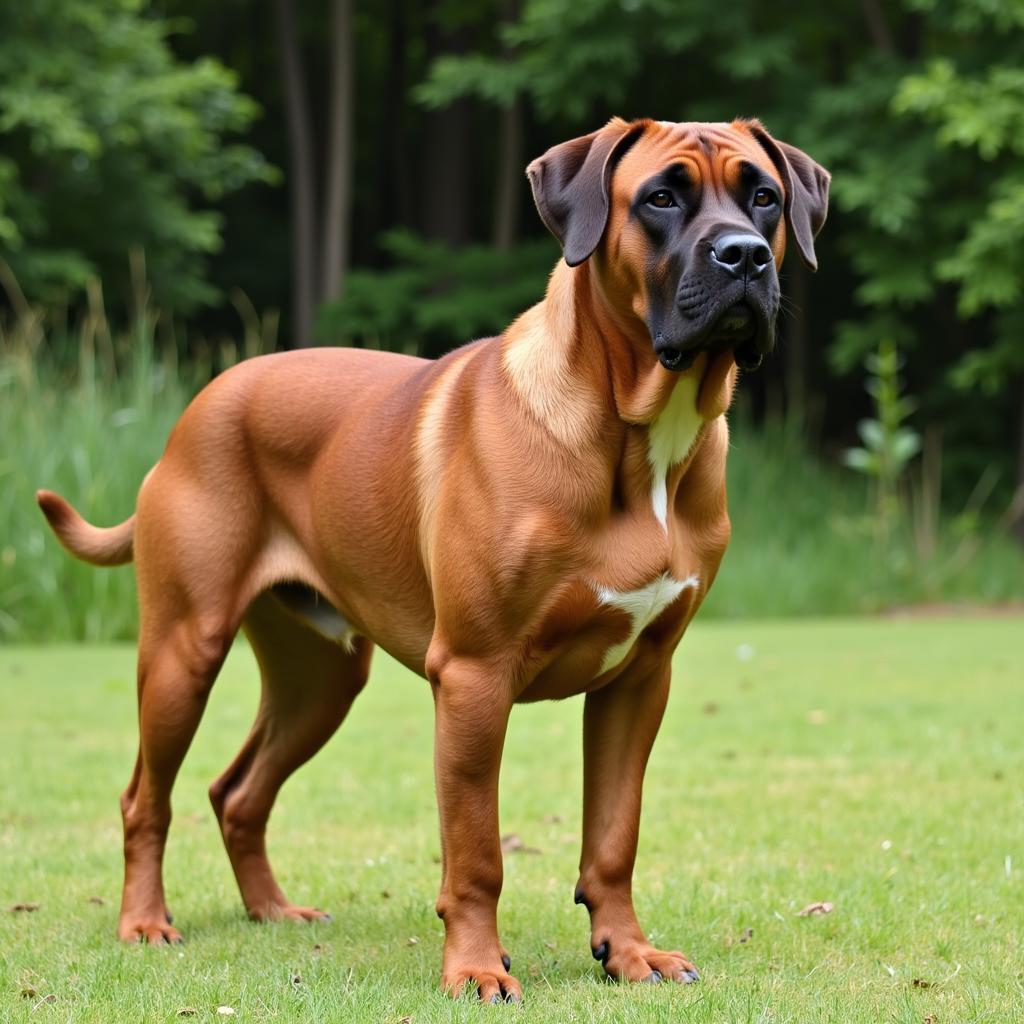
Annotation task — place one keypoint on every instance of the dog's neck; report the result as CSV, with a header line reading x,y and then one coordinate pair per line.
x,y
580,367
573,359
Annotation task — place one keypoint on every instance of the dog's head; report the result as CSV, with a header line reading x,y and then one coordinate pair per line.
x,y
686,224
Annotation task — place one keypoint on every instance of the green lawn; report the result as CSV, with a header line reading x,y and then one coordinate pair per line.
x,y
874,764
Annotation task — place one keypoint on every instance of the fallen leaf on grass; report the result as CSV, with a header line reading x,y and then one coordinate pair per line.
x,y
226,1011
405,1020
921,983
814,909
296,979
188,1011
98,900
931,1019
28,992
514,844
745,936
317,949
412,941
26,908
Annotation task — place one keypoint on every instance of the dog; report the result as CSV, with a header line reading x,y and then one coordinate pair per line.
x,y
531,517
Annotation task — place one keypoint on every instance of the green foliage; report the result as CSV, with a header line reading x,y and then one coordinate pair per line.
x,y
888,443
436,296
92,429
110,143
918,113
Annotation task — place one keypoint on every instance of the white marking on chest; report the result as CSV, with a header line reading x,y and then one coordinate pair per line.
x,y
669,440
643,606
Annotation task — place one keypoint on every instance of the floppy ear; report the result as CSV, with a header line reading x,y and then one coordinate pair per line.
x,y
806,185
570,185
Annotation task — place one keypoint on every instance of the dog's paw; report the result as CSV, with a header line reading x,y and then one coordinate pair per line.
x,y
151,932
633,961
288,912
493,985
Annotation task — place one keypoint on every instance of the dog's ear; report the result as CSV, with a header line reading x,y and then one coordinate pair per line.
x,y
570,185
806,184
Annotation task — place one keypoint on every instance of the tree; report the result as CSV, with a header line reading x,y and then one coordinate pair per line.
x,y
108,143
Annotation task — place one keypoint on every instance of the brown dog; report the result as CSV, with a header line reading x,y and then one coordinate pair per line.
x,y
531,517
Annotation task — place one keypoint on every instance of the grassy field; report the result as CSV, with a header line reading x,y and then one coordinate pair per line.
x,y
874,764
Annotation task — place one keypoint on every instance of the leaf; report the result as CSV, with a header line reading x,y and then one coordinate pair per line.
x,y
921,983
816,909
872,434
861,460
513,843
23,908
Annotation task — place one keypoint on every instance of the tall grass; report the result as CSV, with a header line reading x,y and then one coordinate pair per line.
x,y
92,424
806,541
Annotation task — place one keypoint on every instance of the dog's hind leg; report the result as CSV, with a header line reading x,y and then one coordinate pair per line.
x,y
309,684
178,662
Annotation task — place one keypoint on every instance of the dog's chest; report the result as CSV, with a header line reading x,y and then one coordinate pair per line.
x,y
642,606
669,440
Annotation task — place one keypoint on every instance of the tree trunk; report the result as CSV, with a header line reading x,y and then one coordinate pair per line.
x,y
511,178
301,184
878,26
338,182
445,198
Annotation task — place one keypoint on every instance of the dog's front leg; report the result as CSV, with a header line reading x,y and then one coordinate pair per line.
x,y
619,726
471,716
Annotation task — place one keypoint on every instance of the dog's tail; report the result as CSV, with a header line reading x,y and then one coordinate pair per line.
x,y
98,545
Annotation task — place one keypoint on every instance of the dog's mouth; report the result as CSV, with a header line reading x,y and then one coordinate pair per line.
x,y
737,329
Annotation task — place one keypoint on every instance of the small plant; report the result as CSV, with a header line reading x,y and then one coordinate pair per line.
x,y
888,443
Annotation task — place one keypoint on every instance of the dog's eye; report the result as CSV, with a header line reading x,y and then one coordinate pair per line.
x,y
662,199
764,197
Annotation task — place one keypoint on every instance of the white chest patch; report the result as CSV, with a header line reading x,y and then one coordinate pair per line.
x,y
669,440
643,606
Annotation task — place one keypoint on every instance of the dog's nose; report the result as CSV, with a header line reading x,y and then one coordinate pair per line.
x,y
741,255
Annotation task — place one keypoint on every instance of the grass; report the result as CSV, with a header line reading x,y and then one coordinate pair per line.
x,y
876,764
802,542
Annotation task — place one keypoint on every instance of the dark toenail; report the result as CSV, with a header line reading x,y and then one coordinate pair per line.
x,y
327,916
513,998
170,917
495,998
652,979
507,961
691,976
601,952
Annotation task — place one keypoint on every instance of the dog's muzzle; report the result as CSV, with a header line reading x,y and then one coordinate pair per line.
x,y
736,329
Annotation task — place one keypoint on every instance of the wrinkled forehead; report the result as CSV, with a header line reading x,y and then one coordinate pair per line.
x,y
713,153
